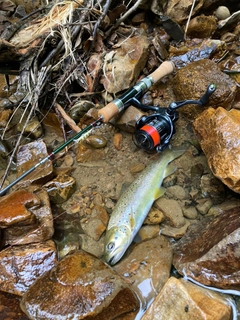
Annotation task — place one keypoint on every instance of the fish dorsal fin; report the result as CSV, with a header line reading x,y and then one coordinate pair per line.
x,y
159,192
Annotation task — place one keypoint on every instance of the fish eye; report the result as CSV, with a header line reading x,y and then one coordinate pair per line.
x,y
110,246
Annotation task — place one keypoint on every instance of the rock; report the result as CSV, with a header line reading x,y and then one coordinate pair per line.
x,y
15,208
172,211
133,54
79,109
190,212
147,268
204,205
61,188
27,157
117,141
32,129
176,192
10,307
172,232
87,154
220,208
148,231
96,141
154,216
201,27
93,227
21,265
4,117
191,82
196,50
127,120
209,251
180,299
222,13
178,10
218,133
92,246
39,229
80,287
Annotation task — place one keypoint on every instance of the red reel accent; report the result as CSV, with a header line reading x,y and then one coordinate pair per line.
x,y
153,133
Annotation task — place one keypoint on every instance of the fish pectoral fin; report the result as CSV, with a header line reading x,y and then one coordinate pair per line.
x,y
159,192
132,222
169,170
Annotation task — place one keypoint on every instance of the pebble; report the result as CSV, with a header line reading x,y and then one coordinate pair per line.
x,y
204,205
222,13
148,231
68,160
137,167
177,192
155,216
117,141
190,212
93,227
172,211
175,233
96,141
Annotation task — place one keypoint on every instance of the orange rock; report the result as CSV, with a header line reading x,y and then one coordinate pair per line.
x,y
219,136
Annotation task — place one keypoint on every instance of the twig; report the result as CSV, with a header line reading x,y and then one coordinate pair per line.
x,y
97,24
68,119
126,14
189,17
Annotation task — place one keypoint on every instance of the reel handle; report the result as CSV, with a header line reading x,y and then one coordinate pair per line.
x,y
117,105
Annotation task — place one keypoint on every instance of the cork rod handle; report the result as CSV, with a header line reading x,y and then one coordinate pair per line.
x,y
111,109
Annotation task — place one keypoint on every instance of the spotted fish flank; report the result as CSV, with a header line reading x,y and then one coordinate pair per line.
x,y
135,203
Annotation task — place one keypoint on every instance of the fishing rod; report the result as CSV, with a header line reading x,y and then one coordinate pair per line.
x,y
105,114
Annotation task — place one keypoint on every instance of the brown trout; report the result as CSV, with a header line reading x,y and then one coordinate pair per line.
x,y
135,203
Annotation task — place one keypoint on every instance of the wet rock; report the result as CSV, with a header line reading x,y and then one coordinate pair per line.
x,y
70,290
209,251
137,167
188,301
154,216
21,265
147,268
10,307
218,133
133,54
15,208
172,211
61,188
79,109
27,157
196,50
191,82
32,129
201,27
226,205
173,232
96,141
222,13
40,226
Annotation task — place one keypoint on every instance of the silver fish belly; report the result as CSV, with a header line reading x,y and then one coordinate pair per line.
x,y
135,203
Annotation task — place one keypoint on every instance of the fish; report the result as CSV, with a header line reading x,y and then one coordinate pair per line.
x,y
135,203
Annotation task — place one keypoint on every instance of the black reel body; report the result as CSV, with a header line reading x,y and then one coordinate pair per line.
x,y
155,131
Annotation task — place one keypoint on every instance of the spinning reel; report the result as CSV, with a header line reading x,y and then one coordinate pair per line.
x,y
155,131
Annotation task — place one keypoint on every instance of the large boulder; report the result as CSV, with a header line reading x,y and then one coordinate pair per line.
x,y
219,136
